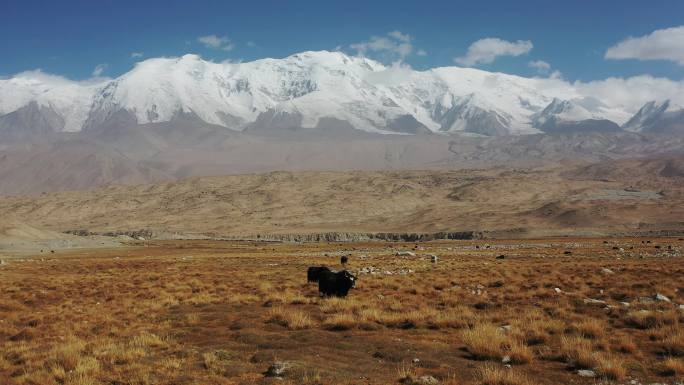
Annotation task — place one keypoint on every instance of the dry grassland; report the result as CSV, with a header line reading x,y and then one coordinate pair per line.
x,y
191,312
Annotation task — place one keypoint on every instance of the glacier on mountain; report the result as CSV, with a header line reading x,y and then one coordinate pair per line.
x,y
307,89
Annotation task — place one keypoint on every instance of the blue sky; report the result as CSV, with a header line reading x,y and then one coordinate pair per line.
x,y
72,38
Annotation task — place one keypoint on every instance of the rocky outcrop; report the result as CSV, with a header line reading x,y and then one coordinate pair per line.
x,y
293,237
356,237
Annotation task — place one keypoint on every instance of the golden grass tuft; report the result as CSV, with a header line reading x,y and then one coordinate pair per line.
x,y
290,318
406,373
625,344
673,343
672,367
340,322
192,319
578,352
213,362
520,353
457,317
539,331
486,341
330,305
494,375
147,340
591,328
649,319
611,367
68,354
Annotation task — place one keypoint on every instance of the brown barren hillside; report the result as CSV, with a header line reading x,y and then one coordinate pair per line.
x,y
605,198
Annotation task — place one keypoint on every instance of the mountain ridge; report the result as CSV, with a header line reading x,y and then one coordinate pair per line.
x,y
305,88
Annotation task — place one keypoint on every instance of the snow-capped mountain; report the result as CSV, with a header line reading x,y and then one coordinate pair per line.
x,y
309,90
656,117
69,100
573,116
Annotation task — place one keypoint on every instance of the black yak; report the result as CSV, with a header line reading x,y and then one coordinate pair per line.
x,y
314,272
336,284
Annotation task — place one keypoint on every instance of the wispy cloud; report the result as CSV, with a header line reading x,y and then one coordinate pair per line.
x,y
421,52
395,44
406,38
486,50
136,55
222,43
99,70
634,91
662,44
541,66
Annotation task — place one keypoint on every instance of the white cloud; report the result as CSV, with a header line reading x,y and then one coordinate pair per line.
x,y
626,94
541,66
556,75
633,92
395,74
485,51
662,44
99,70
136,55
406,38
421,52
395,44
55,80
222,43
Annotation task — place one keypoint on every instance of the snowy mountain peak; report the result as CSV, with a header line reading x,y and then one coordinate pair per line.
x,y
577,115
564,110
656,117
557,106
308,89
647,115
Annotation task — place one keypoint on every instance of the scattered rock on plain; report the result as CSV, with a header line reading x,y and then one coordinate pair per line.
x,y
660,297
594,301
426,380
277,369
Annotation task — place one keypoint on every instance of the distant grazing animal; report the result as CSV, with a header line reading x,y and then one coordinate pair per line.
x,y
344,260
314,273
336,283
